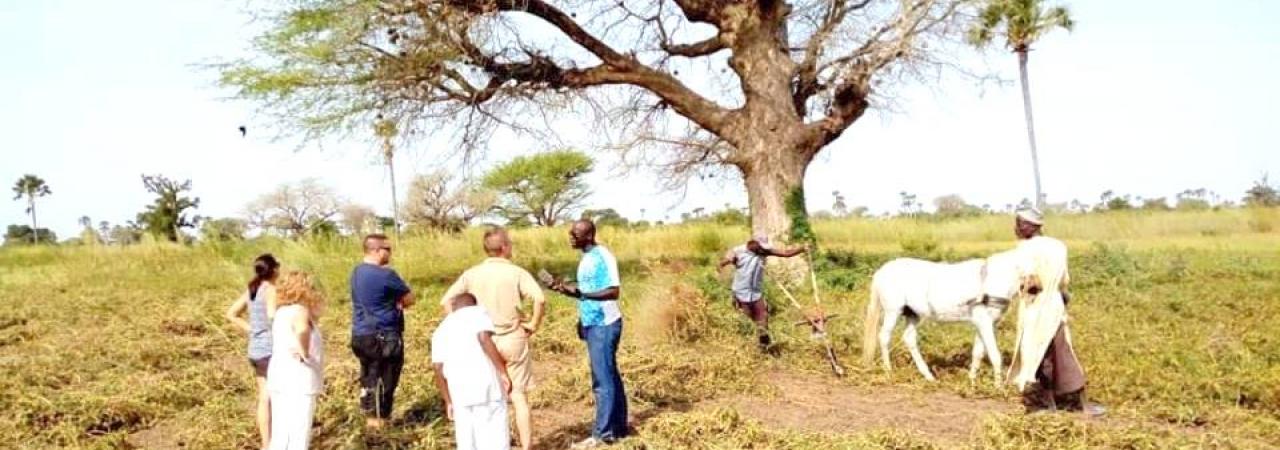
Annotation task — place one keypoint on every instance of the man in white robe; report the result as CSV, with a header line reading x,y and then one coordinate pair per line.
x,y
1044,366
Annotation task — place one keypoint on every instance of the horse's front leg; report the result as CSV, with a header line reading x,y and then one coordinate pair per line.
x,y
986,330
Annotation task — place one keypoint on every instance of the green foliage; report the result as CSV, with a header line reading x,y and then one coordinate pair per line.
x,y
801,231
23,235
606,217
1156,204
131,340
924,246
125,234
542,188
31,187
1108,265
709,242
1262,194
1020,22
167,214
728,216
953,206
224,229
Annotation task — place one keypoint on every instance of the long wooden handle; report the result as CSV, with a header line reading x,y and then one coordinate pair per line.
x,y
813,277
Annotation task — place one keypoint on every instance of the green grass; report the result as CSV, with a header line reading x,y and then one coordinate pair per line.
x,y
1174,314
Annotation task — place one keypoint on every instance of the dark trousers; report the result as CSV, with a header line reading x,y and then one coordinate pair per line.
x,y
381,357
1060,379
606,382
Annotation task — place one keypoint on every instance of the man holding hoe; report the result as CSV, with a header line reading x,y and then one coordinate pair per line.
x,y
747,289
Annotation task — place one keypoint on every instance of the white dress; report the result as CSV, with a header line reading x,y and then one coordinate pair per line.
x,y
292,383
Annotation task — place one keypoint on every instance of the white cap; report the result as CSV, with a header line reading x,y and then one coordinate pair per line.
x,y
1030,214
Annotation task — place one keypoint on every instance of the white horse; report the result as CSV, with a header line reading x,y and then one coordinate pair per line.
x,y
977,291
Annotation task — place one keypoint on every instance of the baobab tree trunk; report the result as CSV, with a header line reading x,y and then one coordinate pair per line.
x,y
1031,127
775,192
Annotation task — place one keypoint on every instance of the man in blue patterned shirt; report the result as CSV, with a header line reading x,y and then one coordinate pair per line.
x,y
600,320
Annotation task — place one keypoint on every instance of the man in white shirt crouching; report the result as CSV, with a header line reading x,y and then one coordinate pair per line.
x,y
471,376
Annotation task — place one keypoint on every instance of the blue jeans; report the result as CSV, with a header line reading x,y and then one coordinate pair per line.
x,y
606,382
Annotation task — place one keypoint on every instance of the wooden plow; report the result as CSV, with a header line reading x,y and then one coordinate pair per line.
x,y
817,321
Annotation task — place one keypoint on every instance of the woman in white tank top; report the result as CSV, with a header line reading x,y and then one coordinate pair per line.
x,y
296,374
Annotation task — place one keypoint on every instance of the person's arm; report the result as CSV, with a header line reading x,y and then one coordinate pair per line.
x,y
530,290
457,288
786,253
407,300
405,297
442,385
500,365
729,258
302,332
271,300
610,293
233,313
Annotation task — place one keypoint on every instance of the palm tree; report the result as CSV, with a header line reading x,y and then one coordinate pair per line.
x,y
1025,21
386,130
31,186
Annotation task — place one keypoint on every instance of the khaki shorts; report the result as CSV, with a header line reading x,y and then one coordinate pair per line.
x,y
514,347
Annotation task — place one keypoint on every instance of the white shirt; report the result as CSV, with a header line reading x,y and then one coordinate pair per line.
x,y
287,373
456,345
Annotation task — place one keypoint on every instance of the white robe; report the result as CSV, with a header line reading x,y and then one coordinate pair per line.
x,y
1040,316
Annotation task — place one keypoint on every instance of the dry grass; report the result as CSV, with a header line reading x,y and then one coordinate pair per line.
x,y
1175,319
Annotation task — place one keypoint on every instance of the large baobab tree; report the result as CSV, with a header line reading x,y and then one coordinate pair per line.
x,y
686,86
295,209
1022,23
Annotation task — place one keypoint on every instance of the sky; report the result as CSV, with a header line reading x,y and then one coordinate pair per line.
x,y
1144,97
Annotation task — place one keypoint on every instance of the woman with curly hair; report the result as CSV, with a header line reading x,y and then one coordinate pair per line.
x,y
296,374
258,303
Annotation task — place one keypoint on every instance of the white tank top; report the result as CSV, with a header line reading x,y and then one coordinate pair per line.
x,y
287,373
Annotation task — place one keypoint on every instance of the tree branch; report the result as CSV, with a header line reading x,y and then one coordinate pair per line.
x,y
696,49
615,69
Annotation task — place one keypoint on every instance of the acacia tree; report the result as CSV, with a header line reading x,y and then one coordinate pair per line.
x,y
31,187
767,84
542,188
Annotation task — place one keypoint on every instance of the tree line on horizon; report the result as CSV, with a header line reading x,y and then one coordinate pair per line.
x,y
540,190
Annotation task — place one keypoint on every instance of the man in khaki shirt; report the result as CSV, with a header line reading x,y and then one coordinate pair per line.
x,y
499,286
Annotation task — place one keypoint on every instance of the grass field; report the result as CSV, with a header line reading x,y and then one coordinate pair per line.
x,y
1174,315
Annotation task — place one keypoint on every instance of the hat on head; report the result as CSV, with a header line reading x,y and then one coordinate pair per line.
x,y
1031,214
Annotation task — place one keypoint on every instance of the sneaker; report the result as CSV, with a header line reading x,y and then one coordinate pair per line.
x,y
590,442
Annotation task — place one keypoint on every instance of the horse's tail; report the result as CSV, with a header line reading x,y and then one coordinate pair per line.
x,y
871,325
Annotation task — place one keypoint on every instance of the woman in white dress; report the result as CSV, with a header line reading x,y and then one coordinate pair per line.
x,y
296,374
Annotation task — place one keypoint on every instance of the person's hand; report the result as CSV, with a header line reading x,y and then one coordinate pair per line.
x,y
529,330
506,383
297,353
448,411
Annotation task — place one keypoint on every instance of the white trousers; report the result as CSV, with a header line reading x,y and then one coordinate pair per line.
x,y
291,416
481,427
